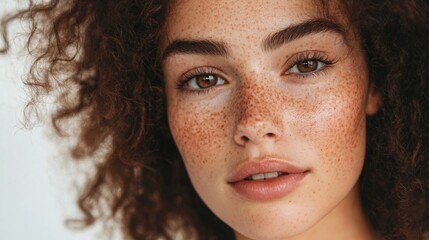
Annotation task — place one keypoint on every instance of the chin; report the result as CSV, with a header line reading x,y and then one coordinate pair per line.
x,y
275,223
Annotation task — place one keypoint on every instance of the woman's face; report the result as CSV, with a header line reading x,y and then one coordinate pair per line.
x,y
267,103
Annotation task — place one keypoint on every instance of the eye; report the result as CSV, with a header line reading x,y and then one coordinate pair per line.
x,y
307,66
203,81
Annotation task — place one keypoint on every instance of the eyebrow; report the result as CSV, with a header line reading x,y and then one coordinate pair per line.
x,y
294,32
273,41
203,47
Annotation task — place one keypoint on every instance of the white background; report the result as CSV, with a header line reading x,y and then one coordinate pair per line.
x,y
36,195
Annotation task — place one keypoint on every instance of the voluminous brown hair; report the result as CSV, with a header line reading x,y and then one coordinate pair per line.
x,y
99,59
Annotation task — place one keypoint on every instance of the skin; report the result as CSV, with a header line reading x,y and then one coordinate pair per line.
x,y
262,107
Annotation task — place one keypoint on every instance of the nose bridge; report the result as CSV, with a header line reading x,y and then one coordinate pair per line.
x,y
258,112
256,103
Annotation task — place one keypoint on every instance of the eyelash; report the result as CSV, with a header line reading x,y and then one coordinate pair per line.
x,y
306,56
187,77
310,56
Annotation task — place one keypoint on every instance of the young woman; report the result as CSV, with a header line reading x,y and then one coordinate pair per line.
x,y
243,119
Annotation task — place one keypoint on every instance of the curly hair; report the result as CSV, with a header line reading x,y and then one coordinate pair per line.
x,y
100,61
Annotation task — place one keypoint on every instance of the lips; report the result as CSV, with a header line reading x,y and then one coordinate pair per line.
x,y
266,179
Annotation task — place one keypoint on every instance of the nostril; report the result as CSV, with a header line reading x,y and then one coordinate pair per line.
x,y
270,135
256,132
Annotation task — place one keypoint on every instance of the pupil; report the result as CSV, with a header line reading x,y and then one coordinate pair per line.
x,y
307,66
205,81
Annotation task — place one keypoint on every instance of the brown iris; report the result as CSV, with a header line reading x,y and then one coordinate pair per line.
x,y
206,80
307,66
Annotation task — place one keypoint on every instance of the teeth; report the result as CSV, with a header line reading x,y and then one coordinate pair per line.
x,y
265,176
271,175
258,176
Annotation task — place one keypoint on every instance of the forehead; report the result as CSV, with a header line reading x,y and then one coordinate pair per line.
x,y
215,19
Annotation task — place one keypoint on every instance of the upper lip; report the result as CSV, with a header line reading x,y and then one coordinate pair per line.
x,y
263,165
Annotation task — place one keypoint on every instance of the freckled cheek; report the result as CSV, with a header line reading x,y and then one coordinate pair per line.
x,y
337,129
199,134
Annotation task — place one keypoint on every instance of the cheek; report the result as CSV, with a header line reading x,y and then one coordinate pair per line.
x,y
199,132
337,129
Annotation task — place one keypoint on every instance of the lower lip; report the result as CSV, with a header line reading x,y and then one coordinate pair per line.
x,y
271,189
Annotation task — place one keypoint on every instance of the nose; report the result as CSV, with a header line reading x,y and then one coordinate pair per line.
x,y
259,118
257,132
